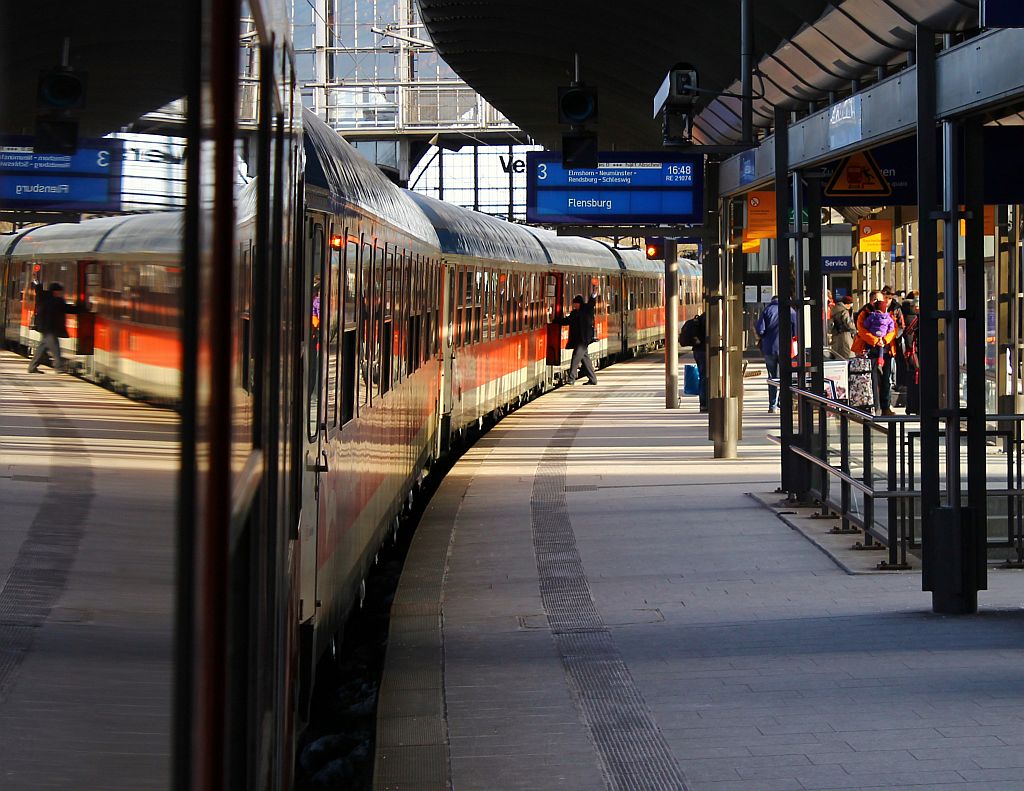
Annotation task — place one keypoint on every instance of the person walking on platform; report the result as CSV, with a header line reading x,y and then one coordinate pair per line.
x,y
768,334
694,335
51,323
581,335
843,328
880,347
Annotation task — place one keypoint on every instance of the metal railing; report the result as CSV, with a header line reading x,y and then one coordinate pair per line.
x,y
863,470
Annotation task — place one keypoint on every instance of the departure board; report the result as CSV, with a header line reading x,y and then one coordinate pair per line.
x,y
626,188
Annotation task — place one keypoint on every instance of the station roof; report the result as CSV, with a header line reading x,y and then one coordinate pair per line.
x,y
133,52
517,52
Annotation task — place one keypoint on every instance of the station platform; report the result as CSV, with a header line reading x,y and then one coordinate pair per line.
x,y
592,601
87,547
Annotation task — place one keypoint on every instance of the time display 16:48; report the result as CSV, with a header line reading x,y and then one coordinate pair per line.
x,y
679,173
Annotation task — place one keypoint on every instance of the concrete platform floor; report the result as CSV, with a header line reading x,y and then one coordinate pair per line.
x,y
592,601
87,482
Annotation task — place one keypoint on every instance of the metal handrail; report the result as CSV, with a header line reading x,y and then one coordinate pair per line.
x,y
810,444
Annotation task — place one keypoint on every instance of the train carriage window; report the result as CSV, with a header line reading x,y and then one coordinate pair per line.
x,y
433,309
399,369
430,311
350,322
478,300
438,299
380,274
333,332
467,301
451,287
505,303
392,286
314,366
457,304
366,318
492,304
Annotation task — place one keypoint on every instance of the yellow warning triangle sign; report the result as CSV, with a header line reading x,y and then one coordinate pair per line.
x,y
858,175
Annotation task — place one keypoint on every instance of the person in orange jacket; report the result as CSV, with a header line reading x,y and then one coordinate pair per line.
x,y
883,348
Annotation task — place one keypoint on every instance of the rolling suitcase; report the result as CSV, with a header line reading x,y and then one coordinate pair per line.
x,y
863,383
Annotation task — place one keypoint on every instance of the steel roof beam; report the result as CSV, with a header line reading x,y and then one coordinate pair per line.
x,y
984,72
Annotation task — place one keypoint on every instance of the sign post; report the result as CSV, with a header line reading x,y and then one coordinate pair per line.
x,y
671,324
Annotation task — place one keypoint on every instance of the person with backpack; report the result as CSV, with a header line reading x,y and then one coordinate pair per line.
x,y
768,338
51,322
582,333
694,334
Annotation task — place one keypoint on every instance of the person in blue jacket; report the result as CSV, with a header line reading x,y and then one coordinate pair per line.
x,y
768,333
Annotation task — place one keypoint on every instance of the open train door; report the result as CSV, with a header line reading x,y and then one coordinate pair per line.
x,y
87,292
448,347
314,457
554,285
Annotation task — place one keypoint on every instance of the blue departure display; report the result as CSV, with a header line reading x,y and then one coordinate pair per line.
x,y
627,188
88,180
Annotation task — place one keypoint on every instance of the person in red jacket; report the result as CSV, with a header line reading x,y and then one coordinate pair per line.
x,y
882,348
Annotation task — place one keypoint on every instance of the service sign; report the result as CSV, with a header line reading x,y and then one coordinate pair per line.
x,y
626,188
87,181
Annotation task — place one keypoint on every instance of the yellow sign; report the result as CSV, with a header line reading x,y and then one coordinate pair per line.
x,y
874,236
990,222
858,176
760,216
751,246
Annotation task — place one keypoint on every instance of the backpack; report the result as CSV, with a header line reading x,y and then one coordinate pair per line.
x,y
688,332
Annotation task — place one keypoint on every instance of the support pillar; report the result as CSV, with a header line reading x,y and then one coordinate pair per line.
x,y
784,273
723,355
952,533
671,324
817,478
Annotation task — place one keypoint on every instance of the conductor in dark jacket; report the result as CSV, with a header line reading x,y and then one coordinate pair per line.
x,y
51,322
581,335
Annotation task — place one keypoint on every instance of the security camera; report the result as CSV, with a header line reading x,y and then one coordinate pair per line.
x,y
678,92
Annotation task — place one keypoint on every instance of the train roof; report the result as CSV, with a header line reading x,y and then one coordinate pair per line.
x,y
576,251
334,165
465,232
160,232
636,261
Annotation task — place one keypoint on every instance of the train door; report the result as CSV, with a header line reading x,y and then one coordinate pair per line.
x,y
12,292
448,355
554,286
86,295
314,454
620,309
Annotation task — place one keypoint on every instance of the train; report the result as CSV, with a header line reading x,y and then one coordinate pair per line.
x,y
403,324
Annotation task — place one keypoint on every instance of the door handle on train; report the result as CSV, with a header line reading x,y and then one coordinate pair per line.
x,y
319,466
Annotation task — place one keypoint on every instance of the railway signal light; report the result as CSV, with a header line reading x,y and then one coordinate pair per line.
x,y
61,89
577,104
579,151
58,92
654,248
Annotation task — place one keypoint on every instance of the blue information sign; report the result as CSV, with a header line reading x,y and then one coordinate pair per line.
x,y
626,188
837,263
88,180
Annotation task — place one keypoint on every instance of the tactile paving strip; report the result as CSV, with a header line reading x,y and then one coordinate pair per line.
x,y
632,751
40,571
